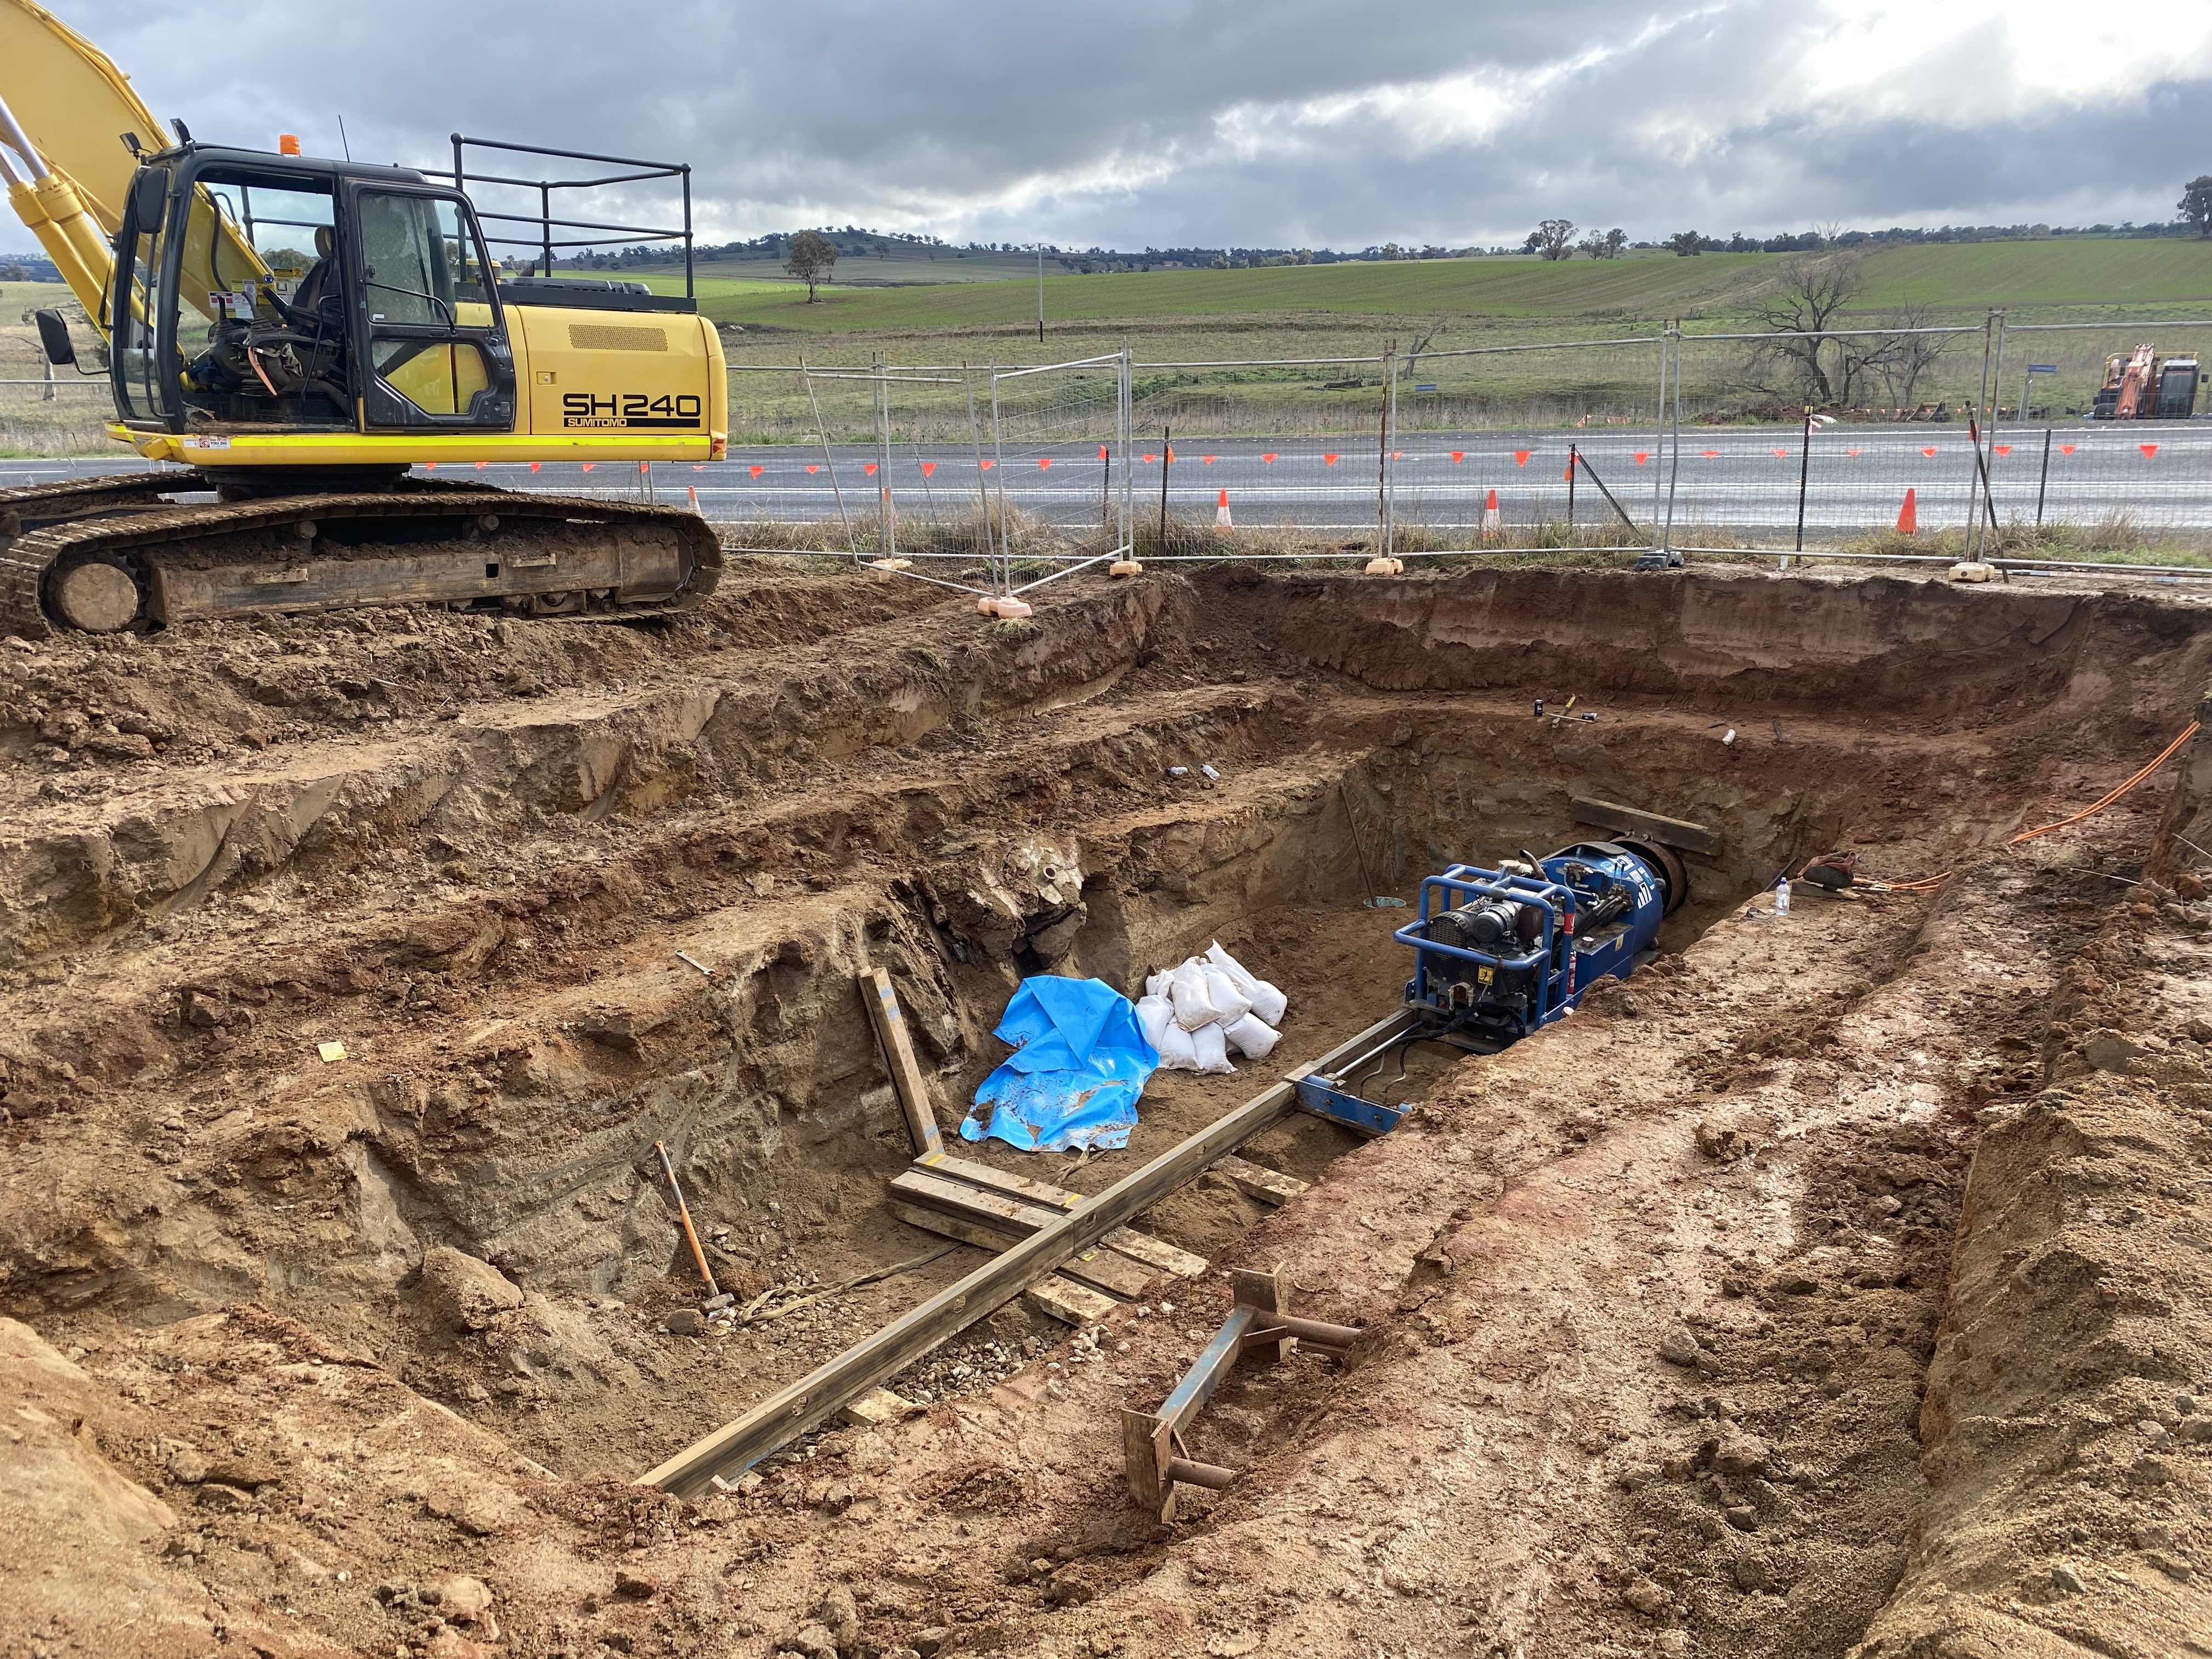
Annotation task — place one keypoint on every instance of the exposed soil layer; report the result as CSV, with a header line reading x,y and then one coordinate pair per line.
x,y
1907,1191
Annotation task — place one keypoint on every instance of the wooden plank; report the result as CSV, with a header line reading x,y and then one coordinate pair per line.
x,y
1155,1253
814,1398
1673,832
1254,1181
1138,1246
995,1210
1068,1302
1097,1266
907,1081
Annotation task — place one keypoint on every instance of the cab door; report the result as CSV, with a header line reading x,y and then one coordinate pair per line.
x,y
426,302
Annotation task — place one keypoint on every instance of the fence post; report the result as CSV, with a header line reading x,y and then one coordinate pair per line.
x,y
1389,462
1659,433
1167,454
2043,482
1804,472
1673,445
1382,455
1574,462
999,461
852,542
975,442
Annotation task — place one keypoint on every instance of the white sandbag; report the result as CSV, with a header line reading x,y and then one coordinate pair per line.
x,y
1155,1014
1177,1052
1238,974
1156,985
1212,1049
1192,1007
1267,1001
1231,1004
1251,1036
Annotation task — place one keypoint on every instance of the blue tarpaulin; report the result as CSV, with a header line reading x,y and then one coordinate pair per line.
x,y
1079,1062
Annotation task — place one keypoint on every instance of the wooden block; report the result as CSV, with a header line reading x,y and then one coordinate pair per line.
x,y
1068,1302
1266,1293
1673,832
875,1407
998,1181
1254,1181
1102,1268
1156,1253
907,1081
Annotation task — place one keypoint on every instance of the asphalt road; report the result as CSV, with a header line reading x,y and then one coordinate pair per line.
x,y
1741,480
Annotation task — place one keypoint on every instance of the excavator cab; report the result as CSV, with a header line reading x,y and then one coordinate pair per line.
x,y
262,294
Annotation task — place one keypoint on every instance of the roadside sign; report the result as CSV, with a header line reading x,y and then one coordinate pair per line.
x,y
2043,369
1425,388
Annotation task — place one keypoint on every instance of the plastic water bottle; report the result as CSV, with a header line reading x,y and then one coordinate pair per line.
x,y
1782,896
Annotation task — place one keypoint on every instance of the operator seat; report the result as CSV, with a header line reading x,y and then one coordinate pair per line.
x,y
309,296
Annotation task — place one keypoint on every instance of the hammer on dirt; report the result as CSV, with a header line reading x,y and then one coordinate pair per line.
x,y
684,1211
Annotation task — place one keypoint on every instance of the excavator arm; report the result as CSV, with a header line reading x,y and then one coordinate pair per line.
x,y
64,110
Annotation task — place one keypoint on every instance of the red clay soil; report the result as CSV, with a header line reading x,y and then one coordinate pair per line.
x,y
1836,1286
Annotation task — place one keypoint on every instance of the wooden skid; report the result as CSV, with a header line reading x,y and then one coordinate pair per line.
x,y
1096,1266
814,1398
1066,1301
1629,820
1156,1253
1254,1181
907,1081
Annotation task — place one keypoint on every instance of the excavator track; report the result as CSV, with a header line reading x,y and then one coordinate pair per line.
x,y
123,557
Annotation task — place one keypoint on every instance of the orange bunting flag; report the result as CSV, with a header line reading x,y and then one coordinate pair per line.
x,y
1397,454
1521,457
757,471
588,465
2066,449
1209,459
1458,455
987,465
1783,453
1928,451
2149,450
1713,454
1148,460
1044,462
1328,460
815,468
928,467
1642,456
536,466
2001,449
432,466
1908,516
1269,460
1850,452
870,468
1102,452
480,465
645,466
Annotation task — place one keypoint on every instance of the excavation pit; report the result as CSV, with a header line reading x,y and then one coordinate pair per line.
x,y
563,891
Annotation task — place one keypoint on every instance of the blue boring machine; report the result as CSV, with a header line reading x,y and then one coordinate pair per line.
x,y
1500,954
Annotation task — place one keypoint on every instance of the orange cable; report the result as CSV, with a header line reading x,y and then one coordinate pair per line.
x,y
1929,884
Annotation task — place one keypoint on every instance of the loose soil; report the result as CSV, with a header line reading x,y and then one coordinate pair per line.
x,y
1837,1285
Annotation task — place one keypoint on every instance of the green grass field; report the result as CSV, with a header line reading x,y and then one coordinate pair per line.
x,y
1965,276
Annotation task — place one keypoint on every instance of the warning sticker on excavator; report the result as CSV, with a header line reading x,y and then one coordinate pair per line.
x,y
1484,974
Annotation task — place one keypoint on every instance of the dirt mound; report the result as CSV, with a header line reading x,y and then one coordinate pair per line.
x,y
347,1000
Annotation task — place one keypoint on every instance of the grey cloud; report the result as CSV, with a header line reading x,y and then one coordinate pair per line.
x,y
1104,124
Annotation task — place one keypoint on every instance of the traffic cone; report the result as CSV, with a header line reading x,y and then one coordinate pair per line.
x,y
694,499
1492,522
1221,520
1908,516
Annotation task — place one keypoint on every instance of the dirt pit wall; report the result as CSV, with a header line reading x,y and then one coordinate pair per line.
x,y
562,910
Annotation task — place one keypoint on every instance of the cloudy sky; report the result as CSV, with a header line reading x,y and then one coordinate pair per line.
x,y
1293,123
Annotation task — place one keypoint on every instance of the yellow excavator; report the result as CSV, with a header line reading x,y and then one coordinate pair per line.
x,y
292,337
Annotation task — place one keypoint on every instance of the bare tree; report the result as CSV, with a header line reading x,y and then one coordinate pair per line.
x,y
1554,239
812,258
1802,361
1605,245
1904,358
